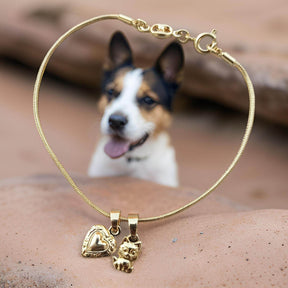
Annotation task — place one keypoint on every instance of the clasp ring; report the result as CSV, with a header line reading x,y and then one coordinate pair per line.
x,y
200,37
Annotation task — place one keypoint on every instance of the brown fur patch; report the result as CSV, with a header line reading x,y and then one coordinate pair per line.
x,y
117,84
159,116
145,89
102,104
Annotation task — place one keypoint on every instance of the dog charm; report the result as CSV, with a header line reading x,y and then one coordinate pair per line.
x,y
128,252
129,249
98,242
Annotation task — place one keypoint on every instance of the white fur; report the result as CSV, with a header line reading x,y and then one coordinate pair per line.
x,y
159,166
158,162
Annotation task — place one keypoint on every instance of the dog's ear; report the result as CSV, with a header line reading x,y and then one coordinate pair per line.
x,y
170,63
119,52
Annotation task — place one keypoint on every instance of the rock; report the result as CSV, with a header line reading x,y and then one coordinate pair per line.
x,y
27,30
43,224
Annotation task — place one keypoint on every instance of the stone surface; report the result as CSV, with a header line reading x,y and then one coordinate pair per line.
x,y
43,223
251,32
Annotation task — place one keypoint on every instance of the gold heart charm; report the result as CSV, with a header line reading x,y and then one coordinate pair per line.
x,y
98,242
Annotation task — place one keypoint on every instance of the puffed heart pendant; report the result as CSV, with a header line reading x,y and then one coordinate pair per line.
x,y
99,241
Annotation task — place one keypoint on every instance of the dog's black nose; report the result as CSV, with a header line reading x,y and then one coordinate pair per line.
x,y
117,121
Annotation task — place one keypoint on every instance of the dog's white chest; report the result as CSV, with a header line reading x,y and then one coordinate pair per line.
x,y
155,161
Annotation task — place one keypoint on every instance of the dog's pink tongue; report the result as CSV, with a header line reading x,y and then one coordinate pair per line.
x,y
116,147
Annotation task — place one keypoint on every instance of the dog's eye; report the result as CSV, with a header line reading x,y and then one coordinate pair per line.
x,y
148,102
111,93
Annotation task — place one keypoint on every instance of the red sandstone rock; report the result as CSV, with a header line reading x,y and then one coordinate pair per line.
x,y
43,223
32,211
251,32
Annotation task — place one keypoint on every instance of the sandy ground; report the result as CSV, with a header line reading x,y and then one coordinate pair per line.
x,y
205,139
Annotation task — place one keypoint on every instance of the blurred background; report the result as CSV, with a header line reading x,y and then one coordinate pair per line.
x,y
210,109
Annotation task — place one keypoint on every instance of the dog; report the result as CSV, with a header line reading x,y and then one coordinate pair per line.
x,y
136,106
128,252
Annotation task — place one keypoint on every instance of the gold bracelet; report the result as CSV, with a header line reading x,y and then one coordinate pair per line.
x,y
99,241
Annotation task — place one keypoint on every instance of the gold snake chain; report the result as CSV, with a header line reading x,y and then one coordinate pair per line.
x,y
160,31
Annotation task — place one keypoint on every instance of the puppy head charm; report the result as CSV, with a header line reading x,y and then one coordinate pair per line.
x,y
128,252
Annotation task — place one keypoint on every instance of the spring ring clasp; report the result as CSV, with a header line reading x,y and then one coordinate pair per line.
x,y
201,37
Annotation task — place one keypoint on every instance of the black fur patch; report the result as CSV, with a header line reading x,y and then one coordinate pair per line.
x,y
165,90
162,78
109,75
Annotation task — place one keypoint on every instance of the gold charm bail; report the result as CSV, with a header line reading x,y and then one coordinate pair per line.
x,y
115,228
133,225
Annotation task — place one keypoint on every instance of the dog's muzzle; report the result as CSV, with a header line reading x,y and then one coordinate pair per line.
x,y
118,146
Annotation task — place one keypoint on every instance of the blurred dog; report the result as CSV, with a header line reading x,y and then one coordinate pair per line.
x,y
136,106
